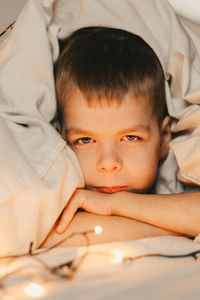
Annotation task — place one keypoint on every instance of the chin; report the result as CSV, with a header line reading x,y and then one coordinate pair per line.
x,y
143,190
115,189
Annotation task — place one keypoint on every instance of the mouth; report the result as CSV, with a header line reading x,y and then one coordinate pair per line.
x,y
111,189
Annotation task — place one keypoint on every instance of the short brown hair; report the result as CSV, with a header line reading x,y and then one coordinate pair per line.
x,y
106,63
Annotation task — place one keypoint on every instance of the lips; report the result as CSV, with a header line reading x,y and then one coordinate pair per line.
x,y
111,189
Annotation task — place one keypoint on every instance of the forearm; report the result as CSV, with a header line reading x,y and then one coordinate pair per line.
x,y
115,229
176,212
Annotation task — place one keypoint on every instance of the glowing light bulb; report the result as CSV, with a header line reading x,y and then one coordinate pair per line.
x,y
34,290
98,229
118,255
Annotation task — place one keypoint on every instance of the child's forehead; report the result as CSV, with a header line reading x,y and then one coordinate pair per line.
x,y
101,99
79,107
103,120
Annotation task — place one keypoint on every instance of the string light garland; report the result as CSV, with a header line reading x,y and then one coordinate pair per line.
x,y
34,290
98,229
68,269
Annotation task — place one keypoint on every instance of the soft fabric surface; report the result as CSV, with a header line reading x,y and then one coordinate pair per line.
x,y
38,172
188,9
99,277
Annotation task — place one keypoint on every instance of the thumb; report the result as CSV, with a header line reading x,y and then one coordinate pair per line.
x,y
68,214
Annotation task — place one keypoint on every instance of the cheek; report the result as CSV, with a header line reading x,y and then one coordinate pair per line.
x,y
86,162
148,173
142,167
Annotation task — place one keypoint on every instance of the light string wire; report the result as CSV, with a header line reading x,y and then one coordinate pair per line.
x,y
10,27
71,266
68,269
35,255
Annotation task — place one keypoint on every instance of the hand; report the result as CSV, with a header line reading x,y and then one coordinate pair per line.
x,y
93,202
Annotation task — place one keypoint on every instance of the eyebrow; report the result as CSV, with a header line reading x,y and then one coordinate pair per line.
x,y
138,127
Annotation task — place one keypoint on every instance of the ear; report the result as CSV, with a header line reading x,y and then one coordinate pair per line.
x,y
165,137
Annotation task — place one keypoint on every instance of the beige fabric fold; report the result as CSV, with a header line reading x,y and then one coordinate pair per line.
x,y
38,172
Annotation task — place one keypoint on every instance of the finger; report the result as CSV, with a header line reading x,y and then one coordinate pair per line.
x,y
97,203
67,215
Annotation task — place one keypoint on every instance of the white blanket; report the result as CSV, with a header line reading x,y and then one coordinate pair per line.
x,y
188,9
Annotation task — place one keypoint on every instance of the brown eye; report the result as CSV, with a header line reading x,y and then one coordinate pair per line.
x,y
131,138
83,141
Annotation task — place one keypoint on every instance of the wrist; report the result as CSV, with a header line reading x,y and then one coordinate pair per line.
x,y
120,202
112,204
129,205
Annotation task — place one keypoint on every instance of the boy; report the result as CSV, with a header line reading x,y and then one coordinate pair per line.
x,y
111,104
109,81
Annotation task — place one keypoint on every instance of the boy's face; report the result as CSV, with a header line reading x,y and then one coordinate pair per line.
x,y
118,146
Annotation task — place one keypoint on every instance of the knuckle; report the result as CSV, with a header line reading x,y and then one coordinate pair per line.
x,y
82,197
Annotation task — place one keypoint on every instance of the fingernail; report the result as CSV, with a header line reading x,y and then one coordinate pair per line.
x,y
59,228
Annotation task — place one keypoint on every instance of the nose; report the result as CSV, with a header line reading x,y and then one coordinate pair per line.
x,y
109,160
